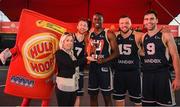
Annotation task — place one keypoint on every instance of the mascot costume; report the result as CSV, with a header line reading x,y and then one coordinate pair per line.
x,y
32,66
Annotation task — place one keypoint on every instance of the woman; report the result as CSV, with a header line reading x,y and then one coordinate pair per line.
x,y
68,73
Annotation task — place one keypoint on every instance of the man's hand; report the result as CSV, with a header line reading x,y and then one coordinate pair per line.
x,y
176,84
89,58
101,60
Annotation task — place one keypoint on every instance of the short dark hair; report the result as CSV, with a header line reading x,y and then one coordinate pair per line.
x,y
98,13
151,11
83,19
125,16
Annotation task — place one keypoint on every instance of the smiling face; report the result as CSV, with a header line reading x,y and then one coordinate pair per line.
x,y
68,43
125,24
150,21
97,21
82,26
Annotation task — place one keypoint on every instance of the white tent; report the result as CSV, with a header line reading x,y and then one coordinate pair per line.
x,y
3,17
175,21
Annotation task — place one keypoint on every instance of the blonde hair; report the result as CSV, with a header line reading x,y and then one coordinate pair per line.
x,y
63,37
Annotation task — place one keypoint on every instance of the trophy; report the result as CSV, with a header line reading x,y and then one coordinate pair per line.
x,y
94,49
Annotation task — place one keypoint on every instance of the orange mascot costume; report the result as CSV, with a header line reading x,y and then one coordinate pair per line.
x,y
33,62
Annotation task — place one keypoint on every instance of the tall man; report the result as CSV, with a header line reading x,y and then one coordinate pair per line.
x,y
158,46
79,52
100,72
127,71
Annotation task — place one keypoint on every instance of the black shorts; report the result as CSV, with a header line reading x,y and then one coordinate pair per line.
x,y
100,78
127,81
65,98
80,91
157,88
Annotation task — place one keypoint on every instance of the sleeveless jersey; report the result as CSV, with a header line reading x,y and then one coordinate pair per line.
x,y
155,58
79,50
128,59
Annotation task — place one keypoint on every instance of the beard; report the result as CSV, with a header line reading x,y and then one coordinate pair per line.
x,y
125,31
152,27
82,31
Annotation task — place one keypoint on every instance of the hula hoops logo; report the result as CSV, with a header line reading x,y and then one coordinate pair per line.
x,y
38,54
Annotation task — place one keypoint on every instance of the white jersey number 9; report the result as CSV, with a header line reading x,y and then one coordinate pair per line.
x,y
150,49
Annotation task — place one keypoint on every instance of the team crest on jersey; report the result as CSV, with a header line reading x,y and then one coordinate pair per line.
x,y
146,37
101,36
131,39
157,37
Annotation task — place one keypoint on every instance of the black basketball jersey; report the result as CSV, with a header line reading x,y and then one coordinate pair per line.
x,y
128,59
100,41
156,54
79,51
79,48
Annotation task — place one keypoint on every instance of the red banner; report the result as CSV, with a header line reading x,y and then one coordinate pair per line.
x,y
12,27
9,27
33,62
